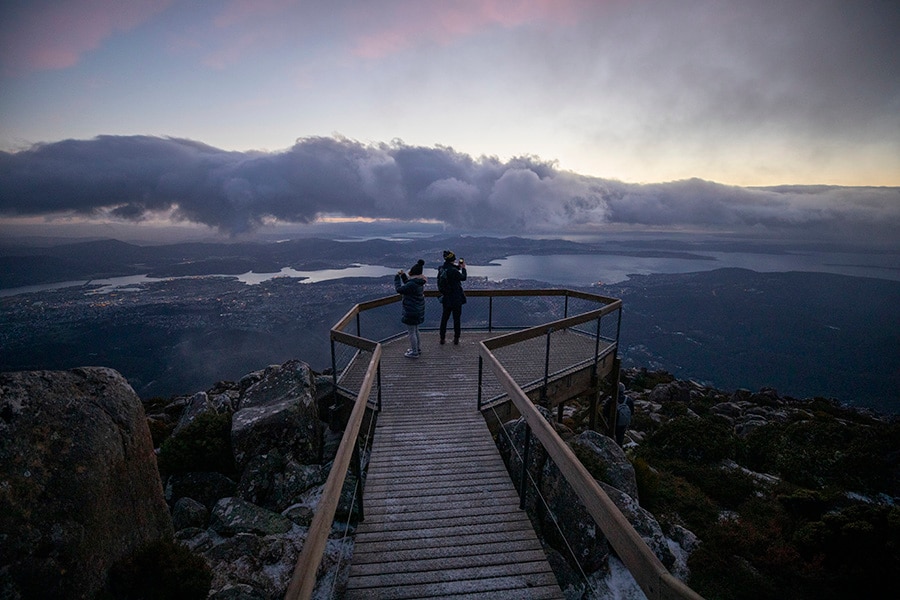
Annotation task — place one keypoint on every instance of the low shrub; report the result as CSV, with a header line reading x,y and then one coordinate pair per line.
x,y
163,570
204,445
691,439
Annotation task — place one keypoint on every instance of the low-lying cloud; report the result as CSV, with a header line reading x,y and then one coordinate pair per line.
x,y
139,177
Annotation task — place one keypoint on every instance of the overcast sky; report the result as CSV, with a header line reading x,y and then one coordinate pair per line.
x,y
545,112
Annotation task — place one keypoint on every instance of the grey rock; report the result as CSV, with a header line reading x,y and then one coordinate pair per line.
x,y
195,539
567,523
279,412
206,487
618,470
232,516
79,486
240,591
196,406
187,512
643,522
259,565
730,410
300,514
674,391
274,483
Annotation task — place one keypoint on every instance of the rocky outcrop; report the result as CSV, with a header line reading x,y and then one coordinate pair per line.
x,y
79,487
279,412
250,525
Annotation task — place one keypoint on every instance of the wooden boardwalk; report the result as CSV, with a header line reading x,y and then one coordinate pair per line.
x,y
442,517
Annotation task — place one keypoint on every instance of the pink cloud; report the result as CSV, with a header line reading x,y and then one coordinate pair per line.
x,y
55,35
411,22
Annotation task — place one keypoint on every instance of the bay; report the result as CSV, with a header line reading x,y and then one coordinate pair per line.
x,y
575,270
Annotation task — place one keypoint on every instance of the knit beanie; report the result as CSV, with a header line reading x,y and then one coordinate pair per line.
x,y
448,255
416,269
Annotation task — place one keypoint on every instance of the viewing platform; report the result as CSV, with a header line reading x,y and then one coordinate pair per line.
x,y
438,513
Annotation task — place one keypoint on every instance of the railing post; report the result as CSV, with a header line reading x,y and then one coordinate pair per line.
x,y
596,353
618,329
358,328
490,314
544,400
480,371
333,370
356,465
592,420
525,458
566,306
378,379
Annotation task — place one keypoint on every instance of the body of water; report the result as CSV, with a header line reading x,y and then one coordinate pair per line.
x,y
573,270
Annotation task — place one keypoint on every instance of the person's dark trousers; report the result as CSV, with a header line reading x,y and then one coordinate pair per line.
x,y
456,311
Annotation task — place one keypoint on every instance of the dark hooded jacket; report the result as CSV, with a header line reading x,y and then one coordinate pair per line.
x,y
413,292
455,297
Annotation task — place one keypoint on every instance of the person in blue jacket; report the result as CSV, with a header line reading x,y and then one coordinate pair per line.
x,y
412,288
450,278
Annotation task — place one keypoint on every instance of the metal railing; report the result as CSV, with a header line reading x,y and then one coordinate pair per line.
x,y
482,313
648,571
603,346
303,580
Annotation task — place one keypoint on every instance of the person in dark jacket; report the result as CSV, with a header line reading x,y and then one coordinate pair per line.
x,y
412,288
622,412
452,295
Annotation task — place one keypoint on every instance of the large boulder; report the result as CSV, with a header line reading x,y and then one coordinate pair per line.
x,y
595,449
79,486
279,412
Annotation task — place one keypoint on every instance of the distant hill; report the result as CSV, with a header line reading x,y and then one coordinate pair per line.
x,y
807,334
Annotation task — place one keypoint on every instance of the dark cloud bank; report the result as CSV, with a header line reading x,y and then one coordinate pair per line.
x,y
133,178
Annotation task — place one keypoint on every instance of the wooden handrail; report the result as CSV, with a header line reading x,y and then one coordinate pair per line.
x,y
651,575
538,330
353,340
303,580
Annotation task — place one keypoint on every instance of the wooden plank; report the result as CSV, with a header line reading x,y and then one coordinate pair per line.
x,y
509,535
442,515
411,506
529,572
363,558
460,561
507,588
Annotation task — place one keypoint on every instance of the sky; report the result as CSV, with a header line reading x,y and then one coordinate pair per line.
x,y
518,114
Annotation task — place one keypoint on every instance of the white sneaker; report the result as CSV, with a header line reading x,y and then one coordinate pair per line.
x,y
411,354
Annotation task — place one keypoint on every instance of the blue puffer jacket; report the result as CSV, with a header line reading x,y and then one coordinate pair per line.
x,y
413,292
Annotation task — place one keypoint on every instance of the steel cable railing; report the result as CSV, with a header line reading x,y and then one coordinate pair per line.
x,y
303,580
535,485
648,571
345,542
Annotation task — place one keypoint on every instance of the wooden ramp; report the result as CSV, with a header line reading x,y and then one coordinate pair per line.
x,y
442,517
